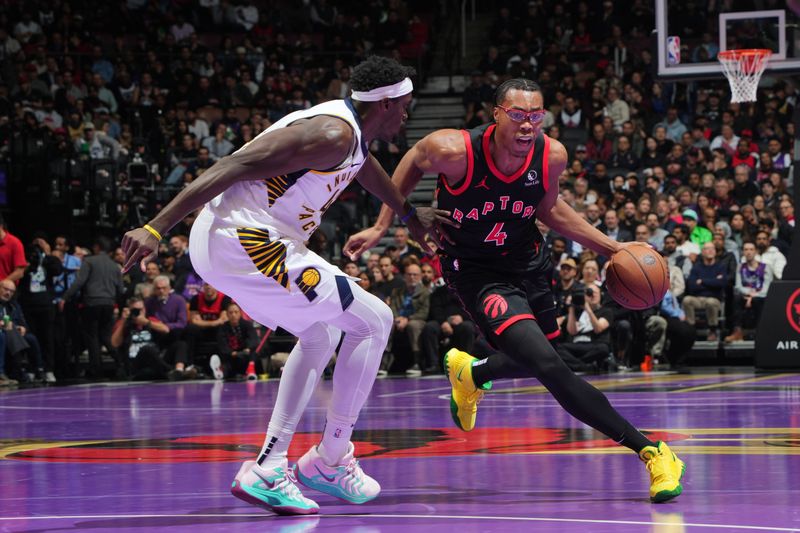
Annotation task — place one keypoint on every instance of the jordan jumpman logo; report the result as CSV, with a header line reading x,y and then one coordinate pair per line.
x,y
483,183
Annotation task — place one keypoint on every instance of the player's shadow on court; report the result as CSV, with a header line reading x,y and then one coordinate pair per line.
x,y
447,496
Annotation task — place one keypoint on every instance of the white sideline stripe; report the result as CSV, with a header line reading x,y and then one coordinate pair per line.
x,y
411,392
497,405
406,516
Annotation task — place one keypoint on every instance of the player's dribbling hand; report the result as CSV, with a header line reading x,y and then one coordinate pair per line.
x,y
430,218
138,245
361,242
426,224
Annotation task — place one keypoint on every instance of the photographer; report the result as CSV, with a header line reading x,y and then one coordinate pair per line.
x,y
588,325
36,296
133,335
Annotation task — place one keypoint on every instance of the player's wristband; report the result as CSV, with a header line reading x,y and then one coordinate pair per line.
x,y
407,216
152,231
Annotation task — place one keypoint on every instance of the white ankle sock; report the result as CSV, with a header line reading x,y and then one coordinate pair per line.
x,y
336,438
274,450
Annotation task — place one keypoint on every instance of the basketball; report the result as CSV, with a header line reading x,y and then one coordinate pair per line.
x,y
637,277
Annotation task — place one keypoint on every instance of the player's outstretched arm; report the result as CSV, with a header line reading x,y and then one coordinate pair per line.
x,y
419,220
557,213
440,152
320,142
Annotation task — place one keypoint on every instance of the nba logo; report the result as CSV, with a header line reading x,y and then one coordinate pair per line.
x,y
673,50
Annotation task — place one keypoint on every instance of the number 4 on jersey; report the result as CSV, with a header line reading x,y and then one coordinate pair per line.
x,y
497,235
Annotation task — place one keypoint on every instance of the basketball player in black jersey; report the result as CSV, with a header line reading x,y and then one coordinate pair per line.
x,y
496,180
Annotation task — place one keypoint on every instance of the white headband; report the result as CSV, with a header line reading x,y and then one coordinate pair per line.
x,y
389,91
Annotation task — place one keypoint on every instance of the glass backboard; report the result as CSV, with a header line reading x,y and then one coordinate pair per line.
x,y
690,34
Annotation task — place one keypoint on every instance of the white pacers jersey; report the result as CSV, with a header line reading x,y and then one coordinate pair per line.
x,y
292,205
249,242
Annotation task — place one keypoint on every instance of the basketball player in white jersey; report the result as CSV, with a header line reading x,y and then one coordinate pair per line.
x,y
262,203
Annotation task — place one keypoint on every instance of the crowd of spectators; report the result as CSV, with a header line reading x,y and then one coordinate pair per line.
x,y
123,104
132,111
177,86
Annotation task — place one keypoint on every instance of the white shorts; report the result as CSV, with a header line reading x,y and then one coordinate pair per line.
x,y
276,282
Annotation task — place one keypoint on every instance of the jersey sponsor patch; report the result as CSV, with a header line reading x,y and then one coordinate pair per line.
x,y
307,280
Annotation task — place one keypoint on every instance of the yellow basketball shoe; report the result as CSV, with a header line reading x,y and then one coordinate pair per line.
x,y
666,471
464,395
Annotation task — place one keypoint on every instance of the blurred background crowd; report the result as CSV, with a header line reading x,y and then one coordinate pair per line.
x,y
107,110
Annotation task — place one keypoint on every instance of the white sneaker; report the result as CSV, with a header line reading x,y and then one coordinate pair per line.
x,y
216,366
345,480
273,489
49,377
413,372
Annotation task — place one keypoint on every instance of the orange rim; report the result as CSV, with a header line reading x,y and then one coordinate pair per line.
x,y
736,54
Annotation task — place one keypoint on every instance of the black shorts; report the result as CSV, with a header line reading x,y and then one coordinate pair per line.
x,y
497,299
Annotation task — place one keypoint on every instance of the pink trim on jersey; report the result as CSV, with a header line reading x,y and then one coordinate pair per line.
x,y
470,163
488,155
546,164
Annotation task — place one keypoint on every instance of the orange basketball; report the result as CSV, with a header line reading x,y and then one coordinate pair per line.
x,y
637,277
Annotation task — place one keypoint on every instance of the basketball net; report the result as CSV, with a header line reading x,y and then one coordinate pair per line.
x,y
744,68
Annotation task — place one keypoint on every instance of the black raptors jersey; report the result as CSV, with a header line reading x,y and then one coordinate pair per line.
x,y
497,213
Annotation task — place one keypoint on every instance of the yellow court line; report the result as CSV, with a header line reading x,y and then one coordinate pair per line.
x,y
729,383
11,449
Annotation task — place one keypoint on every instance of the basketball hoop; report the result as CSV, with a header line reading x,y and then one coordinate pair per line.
x,y
744,68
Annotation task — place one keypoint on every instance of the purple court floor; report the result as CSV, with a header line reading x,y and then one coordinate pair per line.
x,y
161,457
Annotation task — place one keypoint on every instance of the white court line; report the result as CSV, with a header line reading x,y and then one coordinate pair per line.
x,y
411,392
66,392
406,516
384,491
544,400
670,405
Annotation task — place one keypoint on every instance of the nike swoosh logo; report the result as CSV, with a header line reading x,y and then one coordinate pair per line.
x,y
328,479
268,483
458,376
